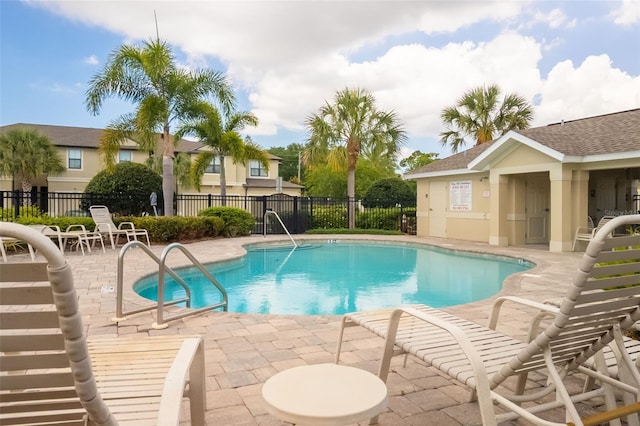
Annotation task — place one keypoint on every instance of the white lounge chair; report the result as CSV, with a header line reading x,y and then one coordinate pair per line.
x,y
49,374
482,358
583,233
104,224
586,233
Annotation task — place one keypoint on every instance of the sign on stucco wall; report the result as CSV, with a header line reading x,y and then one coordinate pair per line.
x,y
460,196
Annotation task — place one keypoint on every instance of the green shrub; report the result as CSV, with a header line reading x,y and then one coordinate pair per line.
x,y
125,190
176,229
345,231
381,218
329,217
237,222
389,192
9,213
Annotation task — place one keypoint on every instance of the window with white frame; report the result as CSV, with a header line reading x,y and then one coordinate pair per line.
x,y
257,169
74,159
124,156
214,166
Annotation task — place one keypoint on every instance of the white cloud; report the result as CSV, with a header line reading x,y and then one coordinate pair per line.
x,y
593,88
627,14
91,60
56,88
555,18
415,81
292,56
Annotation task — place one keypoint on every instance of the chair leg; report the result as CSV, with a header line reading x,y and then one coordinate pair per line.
x,y
81,243
340,337
101,242
197,387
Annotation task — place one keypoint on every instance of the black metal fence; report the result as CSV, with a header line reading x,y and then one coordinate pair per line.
x,y
297,213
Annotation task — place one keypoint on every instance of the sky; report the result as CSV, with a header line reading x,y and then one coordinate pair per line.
x,y
570,59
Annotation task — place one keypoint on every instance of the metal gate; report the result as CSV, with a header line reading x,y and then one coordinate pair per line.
x,y
293,211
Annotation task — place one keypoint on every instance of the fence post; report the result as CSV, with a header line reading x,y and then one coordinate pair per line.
x,y
17,202
263,199
43,201
295,216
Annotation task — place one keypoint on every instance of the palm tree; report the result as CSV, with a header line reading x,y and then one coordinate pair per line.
x,y
221,134
352,126
481,114
181,167
163,94
27,153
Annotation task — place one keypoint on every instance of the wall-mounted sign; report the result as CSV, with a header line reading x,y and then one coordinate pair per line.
x,y
460,196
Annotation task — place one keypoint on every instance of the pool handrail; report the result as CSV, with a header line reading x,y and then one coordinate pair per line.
x,y
161,321
264,232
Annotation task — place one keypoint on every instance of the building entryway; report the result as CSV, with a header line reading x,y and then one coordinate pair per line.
x,y
537,208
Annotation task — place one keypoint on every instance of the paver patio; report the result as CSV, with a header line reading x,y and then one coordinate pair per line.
x,y
244,350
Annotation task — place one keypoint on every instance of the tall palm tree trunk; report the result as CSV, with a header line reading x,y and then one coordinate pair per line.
x,y
351,202
353,149
26,189
168,178
223,182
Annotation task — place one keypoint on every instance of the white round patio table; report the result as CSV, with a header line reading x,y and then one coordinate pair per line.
x,y
324,394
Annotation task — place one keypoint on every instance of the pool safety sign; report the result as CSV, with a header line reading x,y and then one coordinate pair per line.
x,y
460,196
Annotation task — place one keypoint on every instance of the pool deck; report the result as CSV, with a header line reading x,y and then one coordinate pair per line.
x,y
244,350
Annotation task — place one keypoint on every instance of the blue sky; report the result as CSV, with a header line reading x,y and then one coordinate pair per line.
x,y
571,59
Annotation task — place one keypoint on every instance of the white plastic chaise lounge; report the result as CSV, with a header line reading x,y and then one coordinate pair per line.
x,y
586,233
50,373
602,301
104,224
583,233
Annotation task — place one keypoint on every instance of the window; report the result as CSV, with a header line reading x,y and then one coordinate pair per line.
x,y
124,156
75,159
257,169
214,166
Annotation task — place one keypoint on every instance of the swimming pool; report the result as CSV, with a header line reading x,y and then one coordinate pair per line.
x,y
336,277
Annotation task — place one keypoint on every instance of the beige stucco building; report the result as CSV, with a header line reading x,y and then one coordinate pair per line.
x,y
534,186
78,149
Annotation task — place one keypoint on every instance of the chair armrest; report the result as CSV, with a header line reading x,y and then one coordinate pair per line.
x,y
584,230
187,367
126,226
497,305
73,227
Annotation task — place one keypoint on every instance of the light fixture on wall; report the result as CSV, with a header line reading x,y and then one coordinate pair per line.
x,y
482,179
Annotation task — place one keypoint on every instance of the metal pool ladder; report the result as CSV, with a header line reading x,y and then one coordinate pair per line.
x,y
264,221
161,321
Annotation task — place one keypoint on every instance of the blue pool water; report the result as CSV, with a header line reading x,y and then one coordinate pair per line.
x,y
339,277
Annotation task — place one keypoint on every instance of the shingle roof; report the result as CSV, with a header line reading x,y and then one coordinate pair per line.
x,y
455,161
604,134
84,137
